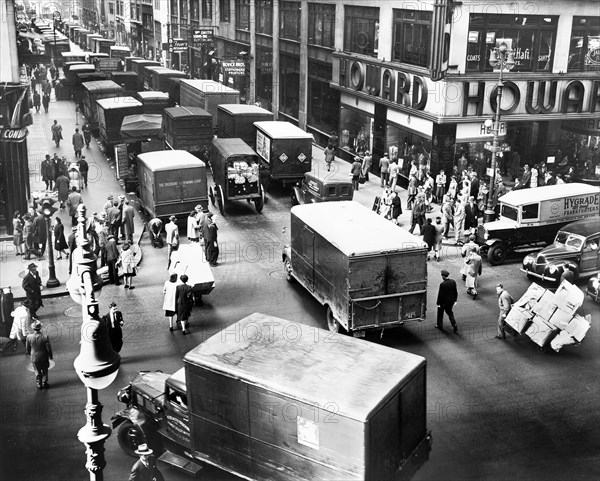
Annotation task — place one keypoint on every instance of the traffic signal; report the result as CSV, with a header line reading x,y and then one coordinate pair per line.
x,y
46,207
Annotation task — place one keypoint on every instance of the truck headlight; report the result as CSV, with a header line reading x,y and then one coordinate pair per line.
x,y
486,235
528,260
552,269
595,282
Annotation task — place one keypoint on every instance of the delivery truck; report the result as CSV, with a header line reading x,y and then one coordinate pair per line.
x,y
237,121
137,66
530,218
206,94
188,128
157,78
111,112
269,399
153,102
368,273
172,182
97,90
285,149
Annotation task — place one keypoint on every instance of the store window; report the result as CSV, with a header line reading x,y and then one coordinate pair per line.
x,y
412,37
355,130
207,9
405,146
531,37
264,77
289,91
321,24
361,30
224,10
584,52
323,102
264,17
289,20
242,14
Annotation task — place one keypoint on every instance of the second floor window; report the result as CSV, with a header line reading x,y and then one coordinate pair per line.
x,y
111,8
174,8
361,30
289,20
207,9
584,52
242,14
321,24
224,10
264,17
412,37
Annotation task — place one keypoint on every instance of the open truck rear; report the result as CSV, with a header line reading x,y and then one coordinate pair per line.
x,y
368,272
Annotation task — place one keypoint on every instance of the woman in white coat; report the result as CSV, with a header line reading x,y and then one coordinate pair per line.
x,y
169,299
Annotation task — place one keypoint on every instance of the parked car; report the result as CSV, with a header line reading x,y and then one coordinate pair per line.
x,y
322,186
593,288
576,245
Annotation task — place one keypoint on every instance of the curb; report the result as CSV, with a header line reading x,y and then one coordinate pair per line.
x,y
47,296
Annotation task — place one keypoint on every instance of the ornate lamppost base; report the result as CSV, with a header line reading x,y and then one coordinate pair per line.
x,y
489,215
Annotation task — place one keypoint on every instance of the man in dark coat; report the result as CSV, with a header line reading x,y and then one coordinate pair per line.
x,y
418,214
128,215
32,286
184,300
114,321
48,172
113,217
210,240
37,101
40,234
78,143
471,215
72,245
73,201
447,297
87,134
112,254
38,347
84,169
429,235
525,181
145,468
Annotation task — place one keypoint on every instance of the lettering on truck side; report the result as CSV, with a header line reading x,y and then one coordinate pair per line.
x,y
557,210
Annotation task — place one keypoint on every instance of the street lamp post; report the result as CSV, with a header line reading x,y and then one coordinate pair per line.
x,y
501,57
57,18
47,209
97,364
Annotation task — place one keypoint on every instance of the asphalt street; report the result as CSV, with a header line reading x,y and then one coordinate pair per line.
x,y
497,410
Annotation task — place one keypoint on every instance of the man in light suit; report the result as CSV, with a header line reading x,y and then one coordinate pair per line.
x,y
37,346
145,468
505,302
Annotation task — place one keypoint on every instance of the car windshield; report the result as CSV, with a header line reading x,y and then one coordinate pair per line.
x,y
509,212
569,240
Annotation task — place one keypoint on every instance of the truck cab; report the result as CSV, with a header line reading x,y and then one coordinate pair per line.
x,y
530,218
317,186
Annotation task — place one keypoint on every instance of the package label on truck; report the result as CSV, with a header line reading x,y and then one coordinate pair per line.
x,y
263,146
308,432
576,206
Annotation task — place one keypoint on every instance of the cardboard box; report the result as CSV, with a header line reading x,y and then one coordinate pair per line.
x,y
540,331
568,297
578,327
519,319
531,296
560,318
562,339
545,306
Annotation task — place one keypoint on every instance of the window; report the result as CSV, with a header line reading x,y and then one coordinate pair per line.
x,y
177,398
264,17
321,24
361,30
530,211
584,52
183,10
242,14
174,8
195,10
531,38
207,9
289,20
412,37
111,8
289,81
224,10
323,101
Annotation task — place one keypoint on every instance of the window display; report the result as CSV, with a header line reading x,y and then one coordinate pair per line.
x,y
584,52
355,130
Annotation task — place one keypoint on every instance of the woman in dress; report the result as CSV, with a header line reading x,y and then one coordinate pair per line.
x,y
60,243
18,233
169,305
128,264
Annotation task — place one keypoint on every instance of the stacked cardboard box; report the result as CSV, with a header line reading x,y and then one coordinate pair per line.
x,y
547,317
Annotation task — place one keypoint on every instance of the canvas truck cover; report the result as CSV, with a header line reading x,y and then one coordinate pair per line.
x,y
141,127
318,407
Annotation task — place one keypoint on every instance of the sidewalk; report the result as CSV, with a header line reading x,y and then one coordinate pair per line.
x,y
102,182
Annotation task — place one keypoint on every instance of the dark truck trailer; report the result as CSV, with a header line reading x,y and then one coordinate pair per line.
x,y
111,112
206,94
89,41
102,45
81,78
127,80
154,102
269,399
93,91
174,182
81,38
285,149
128,64
137,66
188,128
237,121
119,51
158,78
367,273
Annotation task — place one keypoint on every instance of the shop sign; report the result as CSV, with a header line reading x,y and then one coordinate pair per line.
x,y
504,147
202,36
178,46
13,135
234,68
485,130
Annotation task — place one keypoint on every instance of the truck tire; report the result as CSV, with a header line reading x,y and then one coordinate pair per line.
x,y
497,254
332,323
220,200
130,436
287,265
259,203
211,194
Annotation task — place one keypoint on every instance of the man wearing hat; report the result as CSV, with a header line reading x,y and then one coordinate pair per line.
x,y
72,245
114,322
109,202
128,215
447,297
32,286
37,346
112,254
172,240
113,217
154,228
84,168
20,327
145,468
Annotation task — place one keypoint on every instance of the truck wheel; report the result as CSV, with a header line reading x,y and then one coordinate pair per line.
x,y
287,265
221,200
211,194
497,254
130,437
259,204
332,323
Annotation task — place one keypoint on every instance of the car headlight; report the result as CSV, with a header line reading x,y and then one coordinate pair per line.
x,y
528,260
552,269
595,282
